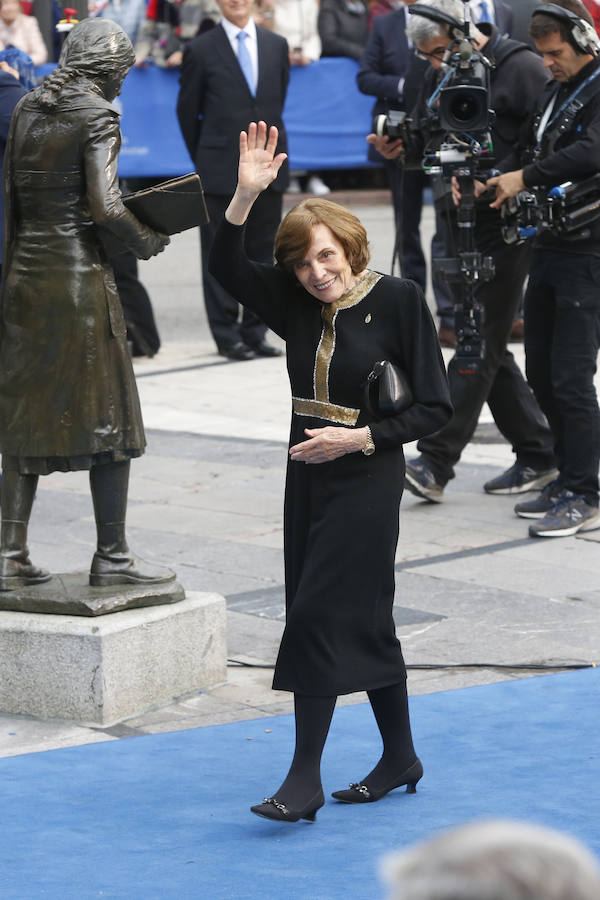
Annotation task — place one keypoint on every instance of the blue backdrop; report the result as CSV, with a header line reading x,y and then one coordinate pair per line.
x,y
326,117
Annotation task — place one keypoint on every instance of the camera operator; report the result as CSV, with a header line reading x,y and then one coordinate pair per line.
x,y
517,78
390,72
562,303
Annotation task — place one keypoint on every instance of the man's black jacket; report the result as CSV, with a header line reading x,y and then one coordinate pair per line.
x,y
575,155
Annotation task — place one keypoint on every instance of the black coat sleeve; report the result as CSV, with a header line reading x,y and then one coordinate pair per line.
x,y
263,289
421,358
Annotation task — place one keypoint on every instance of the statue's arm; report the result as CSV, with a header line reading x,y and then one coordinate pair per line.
x,y
101,157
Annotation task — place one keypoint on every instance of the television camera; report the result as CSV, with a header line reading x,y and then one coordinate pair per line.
x,y
565,210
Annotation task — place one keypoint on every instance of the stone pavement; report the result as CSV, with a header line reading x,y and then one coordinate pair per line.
x,y
477,600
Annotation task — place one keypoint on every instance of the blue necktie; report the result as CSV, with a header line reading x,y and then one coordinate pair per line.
x,y
485,16
245,61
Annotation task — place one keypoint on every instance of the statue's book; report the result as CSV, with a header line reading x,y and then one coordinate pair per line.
x,y
170,207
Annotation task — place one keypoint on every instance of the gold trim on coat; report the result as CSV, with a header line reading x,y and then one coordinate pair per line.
x,y
324,355
345,415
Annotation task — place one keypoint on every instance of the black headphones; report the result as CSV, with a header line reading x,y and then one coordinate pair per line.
x,y
583,36
436,15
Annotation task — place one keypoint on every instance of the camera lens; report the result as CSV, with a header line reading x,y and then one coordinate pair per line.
x,y
465,108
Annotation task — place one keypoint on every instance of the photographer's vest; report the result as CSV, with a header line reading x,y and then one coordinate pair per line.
x,y
549,126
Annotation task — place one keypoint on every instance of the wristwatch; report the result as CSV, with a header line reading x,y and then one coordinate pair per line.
x,y
369,448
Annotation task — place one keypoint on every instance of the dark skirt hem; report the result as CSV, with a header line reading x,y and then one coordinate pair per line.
x,y
341,691
44,465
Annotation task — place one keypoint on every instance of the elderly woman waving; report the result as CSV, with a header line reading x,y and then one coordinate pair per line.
x,y
345,468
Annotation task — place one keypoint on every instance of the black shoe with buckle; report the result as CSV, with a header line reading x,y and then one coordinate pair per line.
x,y
238,352
361,793
519,479
271,808
543,503
420,481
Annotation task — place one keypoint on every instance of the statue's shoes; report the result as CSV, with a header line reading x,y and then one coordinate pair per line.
x,y
117,568
16,572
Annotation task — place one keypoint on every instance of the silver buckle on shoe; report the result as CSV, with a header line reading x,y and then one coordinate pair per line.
x,y
280,806
361,789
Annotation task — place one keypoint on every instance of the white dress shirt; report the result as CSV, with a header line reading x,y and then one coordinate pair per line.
x,y
475,7
232,32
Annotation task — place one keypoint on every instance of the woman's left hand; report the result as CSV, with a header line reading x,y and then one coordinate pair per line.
x,y
325,444
259,166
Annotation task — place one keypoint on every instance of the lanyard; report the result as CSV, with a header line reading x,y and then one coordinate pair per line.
x,y
569,100
545,119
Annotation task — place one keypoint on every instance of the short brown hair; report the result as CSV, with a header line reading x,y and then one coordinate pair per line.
x,y
543,24
295,233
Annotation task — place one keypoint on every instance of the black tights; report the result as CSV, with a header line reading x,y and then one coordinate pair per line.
x,y
313,718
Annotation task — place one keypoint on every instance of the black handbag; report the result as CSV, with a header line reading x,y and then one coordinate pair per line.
x,y
387,391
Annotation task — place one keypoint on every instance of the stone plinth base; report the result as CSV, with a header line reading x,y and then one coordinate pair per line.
x,y
71,595
99,671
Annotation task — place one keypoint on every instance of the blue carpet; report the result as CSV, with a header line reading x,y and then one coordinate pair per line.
x,y
166,816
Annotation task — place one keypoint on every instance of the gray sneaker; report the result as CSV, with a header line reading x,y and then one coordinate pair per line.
x,y
569,515
420,481
543,503
519,479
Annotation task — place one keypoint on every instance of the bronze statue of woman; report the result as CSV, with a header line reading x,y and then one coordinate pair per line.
x,y
68,399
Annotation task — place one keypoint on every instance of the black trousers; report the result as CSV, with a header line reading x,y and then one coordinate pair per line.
x,y
137,308
407,188
223,310
562,337
500,381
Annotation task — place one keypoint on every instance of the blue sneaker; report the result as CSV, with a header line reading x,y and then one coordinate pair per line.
x,y
420,481
570,514
519,479
543,503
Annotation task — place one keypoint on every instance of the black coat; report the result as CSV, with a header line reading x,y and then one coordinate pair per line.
x,y
341,517
215,104
342,30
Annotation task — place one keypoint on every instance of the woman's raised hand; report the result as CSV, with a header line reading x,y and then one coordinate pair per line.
x,y
258,164
258,168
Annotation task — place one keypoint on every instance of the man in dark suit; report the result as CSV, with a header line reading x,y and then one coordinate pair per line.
x,y
390,71
234,74
522,10
495,11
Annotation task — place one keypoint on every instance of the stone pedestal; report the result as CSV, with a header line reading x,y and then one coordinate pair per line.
x,y
99,671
